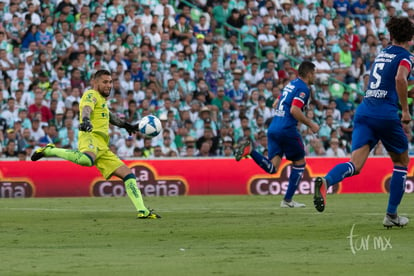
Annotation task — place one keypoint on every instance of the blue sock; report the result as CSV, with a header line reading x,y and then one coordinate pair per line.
x,y
263,162
397,187
339,172
294,178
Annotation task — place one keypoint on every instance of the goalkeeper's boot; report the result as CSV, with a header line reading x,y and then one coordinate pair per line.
x,y
147,214
40,152
319,197
243,150
390,221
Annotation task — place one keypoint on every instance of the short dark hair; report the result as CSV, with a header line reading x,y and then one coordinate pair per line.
x,y
395,26
100,73
305,67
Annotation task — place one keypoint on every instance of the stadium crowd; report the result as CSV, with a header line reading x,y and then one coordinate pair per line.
x,y
210,72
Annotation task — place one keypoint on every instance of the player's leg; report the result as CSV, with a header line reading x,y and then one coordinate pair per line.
x,y
133,192
337,174
363,140
294,151
75,156
397,189
347,169
396,143
243,150
268,165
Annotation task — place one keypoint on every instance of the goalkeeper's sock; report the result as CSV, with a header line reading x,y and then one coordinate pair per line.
x,y
397,188
74,156
133,192
263,162
294,178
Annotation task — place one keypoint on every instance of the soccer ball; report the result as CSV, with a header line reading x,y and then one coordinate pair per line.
x,y
150,126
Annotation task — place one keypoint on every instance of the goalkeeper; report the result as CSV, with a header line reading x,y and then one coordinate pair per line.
x,y
93,141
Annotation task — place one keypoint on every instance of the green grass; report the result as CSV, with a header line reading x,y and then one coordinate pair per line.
x,y
201,235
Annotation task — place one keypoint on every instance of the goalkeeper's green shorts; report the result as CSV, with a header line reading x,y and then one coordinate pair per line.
x,y
106,161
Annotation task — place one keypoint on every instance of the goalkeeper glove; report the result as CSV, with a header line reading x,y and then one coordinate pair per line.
x,y
86,125
131,128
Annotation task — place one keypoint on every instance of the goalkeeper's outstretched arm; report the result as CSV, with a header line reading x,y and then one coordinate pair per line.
x,y
116,121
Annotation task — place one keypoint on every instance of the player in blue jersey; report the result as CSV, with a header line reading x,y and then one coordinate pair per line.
x,y
283,136
377,119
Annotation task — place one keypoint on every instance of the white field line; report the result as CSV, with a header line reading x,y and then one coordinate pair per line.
x,y
305,211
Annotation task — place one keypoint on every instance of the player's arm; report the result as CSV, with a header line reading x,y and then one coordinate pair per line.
x,y
86,125
116,121
411,91
401,84
296,111
276,102
274,105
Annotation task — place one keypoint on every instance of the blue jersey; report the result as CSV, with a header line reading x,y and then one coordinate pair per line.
x,y
342,7
283,137
381,97
296,93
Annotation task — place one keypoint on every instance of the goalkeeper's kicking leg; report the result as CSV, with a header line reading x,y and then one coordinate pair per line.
x,y
75,156
88,159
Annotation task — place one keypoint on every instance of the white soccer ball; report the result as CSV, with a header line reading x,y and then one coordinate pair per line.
x,y
150,126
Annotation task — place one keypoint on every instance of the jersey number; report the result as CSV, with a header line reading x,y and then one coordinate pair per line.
x,y
282,99
376,75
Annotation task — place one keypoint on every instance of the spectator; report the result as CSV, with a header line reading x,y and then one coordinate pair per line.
x,y
126,149
203,27
51,136
346,126
339,67
334,150
353,40
36,132
39,110
315,148
22,155
182,29
267,40
320,46
221,13
357,71
342,8
344,103
221,98
323,69
10,113
359,9
11,149
249,32
29,36
43,36
159,9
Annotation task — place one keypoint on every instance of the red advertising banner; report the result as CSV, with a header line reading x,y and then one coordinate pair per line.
x,y
52,178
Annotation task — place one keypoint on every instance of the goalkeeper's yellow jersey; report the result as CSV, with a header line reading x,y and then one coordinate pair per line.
x,y
100,112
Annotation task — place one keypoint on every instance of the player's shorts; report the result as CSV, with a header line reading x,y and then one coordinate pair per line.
x,y
106,161
286,142
368,131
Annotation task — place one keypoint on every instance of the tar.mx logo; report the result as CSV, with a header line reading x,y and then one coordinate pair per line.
x,y
359,243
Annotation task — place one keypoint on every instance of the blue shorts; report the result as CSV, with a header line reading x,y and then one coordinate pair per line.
x,y
368,131
286,142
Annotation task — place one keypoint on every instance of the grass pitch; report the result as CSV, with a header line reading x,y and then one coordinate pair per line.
x,y
203,235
